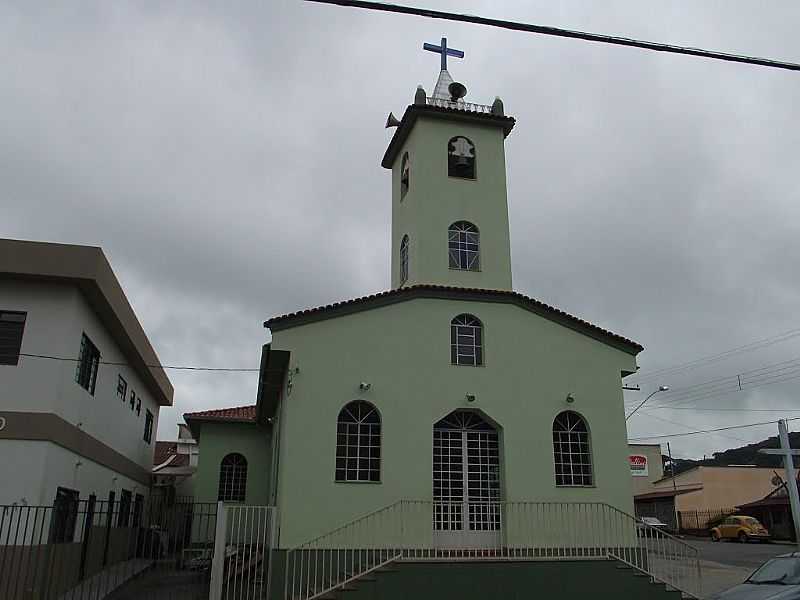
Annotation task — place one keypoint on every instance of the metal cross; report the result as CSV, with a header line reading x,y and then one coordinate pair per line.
x,y
787,452
444,51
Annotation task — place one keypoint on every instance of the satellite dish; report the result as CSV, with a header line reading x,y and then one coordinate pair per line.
x,y
457,91
391,121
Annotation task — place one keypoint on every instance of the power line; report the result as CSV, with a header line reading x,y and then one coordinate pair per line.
x,y
695,408
565,33
729,437
124,364
659,437
713,358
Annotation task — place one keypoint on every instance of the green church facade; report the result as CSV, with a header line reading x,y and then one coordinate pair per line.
x,y
449,416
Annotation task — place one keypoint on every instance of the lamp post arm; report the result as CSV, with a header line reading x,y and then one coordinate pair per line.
x,y
641,404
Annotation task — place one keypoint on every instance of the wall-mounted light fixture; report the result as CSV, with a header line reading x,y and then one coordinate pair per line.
x,y
470,398
364,386
570,398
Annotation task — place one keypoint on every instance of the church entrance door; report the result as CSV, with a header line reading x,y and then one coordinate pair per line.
x,y
466,482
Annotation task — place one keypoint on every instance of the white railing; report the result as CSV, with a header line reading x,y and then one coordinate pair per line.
x,y
460,105
419,530
244,540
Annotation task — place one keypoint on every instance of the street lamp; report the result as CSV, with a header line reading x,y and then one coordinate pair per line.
x,y
661,388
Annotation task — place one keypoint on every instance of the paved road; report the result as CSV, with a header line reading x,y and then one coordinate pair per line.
x,y
726,564
748,555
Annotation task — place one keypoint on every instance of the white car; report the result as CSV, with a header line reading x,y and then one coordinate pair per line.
x,y
643,524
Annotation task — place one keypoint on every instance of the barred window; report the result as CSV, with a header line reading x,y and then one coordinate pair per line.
x,y
404,260
463,245
358,443
149,420
405,175
232,478
122,387
88,362
572,450
466,341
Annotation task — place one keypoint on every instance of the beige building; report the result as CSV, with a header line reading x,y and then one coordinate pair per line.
x,y
646,466
711,488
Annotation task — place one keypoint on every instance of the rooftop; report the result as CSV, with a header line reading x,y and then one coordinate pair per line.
x,y
87,268
242,414
448,292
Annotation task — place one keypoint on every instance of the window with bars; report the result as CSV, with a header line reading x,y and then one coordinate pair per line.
x,y
572,451
461,158
233,478
148,426
88,363
405,175
404,260
12,325
358,443
463,246
466,341
65,516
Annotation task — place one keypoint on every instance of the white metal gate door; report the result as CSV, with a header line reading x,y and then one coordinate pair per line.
x,y
466,482
244,540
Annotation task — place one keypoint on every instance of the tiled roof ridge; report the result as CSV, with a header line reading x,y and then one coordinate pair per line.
x,y
244,413
447,288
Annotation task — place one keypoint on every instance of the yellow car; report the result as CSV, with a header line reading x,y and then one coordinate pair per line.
x,y
739,528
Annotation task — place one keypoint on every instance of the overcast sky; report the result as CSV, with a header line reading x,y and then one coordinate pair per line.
x,y
226,158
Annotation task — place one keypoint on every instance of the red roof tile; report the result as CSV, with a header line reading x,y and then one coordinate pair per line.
x,y
237,413
428,290
163,451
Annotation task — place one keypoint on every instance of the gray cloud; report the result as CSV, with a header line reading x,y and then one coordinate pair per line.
x,y
226,159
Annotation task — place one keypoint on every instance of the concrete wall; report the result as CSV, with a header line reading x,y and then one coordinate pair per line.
x,y
655,467
531,364
219,439
48,466
58,314
721,487
435,201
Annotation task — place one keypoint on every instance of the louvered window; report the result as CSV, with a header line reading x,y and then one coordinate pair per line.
x,y
12,324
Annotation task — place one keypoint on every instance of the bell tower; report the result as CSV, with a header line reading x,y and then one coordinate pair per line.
x,y
449,202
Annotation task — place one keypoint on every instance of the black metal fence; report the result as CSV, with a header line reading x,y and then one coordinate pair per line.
x,y
123,549
701,521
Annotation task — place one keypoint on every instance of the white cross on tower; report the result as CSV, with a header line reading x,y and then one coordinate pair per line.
x,y
791,481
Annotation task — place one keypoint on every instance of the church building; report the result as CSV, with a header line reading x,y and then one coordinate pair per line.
x,y
425,416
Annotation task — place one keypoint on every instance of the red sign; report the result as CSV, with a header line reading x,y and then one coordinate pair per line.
x,y
638,464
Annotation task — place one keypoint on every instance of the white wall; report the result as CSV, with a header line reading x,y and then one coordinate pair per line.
x,y
22,463
57,316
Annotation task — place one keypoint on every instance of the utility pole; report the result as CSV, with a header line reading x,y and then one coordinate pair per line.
x,y
674,489
788,455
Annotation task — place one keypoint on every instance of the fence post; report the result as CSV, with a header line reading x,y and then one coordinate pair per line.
x,y
218,561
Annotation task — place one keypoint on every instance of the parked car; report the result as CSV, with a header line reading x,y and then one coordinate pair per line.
x,y
740,528
776,579
644,523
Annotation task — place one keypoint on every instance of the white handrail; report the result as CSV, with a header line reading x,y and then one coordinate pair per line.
x,y
424,530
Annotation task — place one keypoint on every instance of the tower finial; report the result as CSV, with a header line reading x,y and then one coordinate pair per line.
x,y
444,51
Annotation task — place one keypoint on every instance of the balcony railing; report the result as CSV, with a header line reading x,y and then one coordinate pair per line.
x,y
460,105
417,530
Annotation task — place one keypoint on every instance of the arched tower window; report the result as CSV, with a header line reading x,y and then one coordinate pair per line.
x,y
461,158
404,260
232,478
572,450
463,245
405,175
466,340
358,443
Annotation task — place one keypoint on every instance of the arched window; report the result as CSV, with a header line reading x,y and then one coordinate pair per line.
x,y
466,341
405,175
461,158
232,478
463,245
404,260
572,450
358,443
